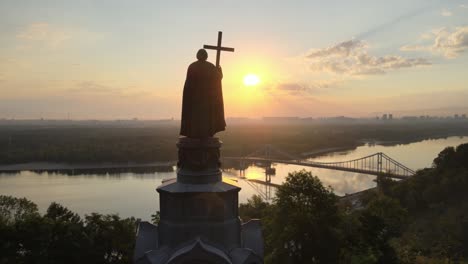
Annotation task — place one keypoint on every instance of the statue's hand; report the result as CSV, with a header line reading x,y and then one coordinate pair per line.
x,y
220,70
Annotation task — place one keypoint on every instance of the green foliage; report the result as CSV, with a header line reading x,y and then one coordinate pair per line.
x,y
110,237
114,142
304,222
255,208
437,204
16,209
304,225
420,220
369,240
61,236
423,219
156,217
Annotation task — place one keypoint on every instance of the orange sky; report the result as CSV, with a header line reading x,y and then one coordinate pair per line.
x,y
118,59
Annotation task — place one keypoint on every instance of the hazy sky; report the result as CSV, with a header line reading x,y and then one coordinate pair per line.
x,y
123,59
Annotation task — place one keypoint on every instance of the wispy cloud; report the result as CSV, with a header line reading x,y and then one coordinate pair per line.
x,y
389,24
291,87
352,58
51,36
449,43
446,13
463,6
304,88
92,87
107,89
44,33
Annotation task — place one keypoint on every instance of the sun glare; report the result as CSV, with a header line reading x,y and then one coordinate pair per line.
x,y
251,80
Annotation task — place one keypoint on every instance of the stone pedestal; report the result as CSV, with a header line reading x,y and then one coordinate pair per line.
x,y
199,215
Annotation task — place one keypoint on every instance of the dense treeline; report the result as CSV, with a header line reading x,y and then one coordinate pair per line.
x,y
61,236
81,144
420,220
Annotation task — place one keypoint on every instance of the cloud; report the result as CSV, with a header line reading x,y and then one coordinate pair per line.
x,y
108,89
391,23
313,87
294,87
412,47
44,33
463,6
446,13
342,49
351,58
91,87
449,43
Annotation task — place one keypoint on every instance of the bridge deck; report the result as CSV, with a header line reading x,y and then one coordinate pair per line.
x,y
319,165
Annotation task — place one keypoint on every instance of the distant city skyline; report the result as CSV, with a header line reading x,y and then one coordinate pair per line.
x,y
125,59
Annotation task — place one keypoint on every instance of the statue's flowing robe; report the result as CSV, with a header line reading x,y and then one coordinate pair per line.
x,y
202,103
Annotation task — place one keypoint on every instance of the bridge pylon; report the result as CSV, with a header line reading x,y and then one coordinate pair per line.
x,y
379,162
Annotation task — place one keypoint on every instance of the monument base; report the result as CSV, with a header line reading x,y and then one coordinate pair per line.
x,y
199,215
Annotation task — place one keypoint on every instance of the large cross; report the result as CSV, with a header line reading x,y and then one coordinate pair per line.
x,y
218,48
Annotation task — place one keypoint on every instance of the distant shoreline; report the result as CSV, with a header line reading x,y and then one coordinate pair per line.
x,y
51,166
168,165
325,151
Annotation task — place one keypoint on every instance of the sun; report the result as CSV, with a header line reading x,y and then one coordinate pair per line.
x,y
251,80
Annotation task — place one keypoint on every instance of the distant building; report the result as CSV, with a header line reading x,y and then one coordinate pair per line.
x,y
384,117
463,116
412,118
390,116
281,118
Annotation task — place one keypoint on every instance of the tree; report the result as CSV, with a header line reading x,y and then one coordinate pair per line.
x,y
66,241
255,208
304,222
112,239
61,236
156,217
16,209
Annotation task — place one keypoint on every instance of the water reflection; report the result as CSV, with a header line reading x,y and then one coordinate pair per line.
x,y
416,155
131,194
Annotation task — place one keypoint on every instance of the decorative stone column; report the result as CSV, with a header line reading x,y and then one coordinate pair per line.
x,y
199,215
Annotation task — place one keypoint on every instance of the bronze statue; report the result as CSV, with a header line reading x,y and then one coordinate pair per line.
x,y
202,103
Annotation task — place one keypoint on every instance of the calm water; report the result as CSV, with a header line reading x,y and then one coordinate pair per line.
x,y
131,194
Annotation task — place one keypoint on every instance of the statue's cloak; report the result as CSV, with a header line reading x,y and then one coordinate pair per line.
x,y
202,103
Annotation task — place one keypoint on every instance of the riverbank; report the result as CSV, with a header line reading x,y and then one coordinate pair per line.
x,y
325,151
64,167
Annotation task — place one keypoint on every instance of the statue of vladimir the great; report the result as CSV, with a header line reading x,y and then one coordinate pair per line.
x,y
202,103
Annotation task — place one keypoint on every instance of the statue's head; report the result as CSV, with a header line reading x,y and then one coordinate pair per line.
x,y
202,55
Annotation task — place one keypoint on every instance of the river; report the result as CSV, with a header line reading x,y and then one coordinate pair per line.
x,y
130,194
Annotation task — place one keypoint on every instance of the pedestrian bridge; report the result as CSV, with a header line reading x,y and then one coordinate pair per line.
x,y
377,164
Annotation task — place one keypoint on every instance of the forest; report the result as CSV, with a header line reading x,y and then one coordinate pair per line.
x,y
119,144
423,219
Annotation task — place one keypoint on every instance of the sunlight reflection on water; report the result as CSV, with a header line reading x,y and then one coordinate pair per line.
x,y
132,194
